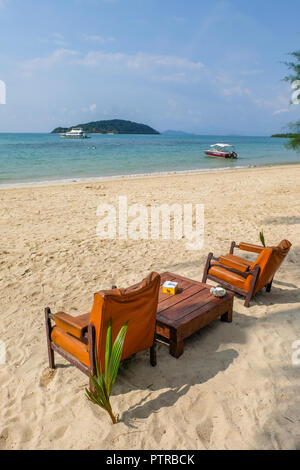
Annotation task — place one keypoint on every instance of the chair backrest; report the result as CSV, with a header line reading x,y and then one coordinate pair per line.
x,y
138,305
269,261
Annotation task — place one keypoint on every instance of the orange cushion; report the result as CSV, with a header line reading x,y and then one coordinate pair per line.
x,y
251,248
238,259
76,326
227,276
71,345
231,262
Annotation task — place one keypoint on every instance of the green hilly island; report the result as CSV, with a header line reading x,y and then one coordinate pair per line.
x,y
115,126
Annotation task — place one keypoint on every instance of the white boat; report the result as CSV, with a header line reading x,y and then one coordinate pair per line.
x,y
75,134
222,151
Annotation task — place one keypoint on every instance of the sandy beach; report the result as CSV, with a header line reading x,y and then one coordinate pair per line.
x,y
235,387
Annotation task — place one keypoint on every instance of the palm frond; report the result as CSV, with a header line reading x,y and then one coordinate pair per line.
x,y
103,384
108,351
262,239
116,355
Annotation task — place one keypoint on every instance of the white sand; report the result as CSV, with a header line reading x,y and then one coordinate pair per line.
x,y
235,387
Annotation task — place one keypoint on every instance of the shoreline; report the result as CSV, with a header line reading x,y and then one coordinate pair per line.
x,y
136,176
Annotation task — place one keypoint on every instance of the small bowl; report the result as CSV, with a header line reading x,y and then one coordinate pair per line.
x,y
218,291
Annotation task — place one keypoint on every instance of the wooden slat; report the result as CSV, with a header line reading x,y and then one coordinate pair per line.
x,y
191,281
182,287
180,310
177,299
167,277
195,321
183,284
203,311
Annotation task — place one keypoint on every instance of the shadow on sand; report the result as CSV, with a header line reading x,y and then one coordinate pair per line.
x,y
282,220
204,357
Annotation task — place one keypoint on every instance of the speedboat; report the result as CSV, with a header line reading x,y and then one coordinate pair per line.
x,y
75,134
222,151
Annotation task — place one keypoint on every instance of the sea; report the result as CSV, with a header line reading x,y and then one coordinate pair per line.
x,y
43,158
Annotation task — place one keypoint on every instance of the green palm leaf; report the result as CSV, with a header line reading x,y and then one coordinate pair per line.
x,y
116,355
262,239
102,386
108,351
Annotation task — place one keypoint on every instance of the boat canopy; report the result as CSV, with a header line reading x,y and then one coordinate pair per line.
x,y
221,145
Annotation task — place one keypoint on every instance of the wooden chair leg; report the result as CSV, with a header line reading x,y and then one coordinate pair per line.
x,y
48,335
207,266
92,348
233,245
269,287
252,286
153,361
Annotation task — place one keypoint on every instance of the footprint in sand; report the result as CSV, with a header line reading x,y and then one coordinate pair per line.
x,y
46,377
204,432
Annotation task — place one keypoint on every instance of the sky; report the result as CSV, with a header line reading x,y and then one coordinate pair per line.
x,y
201,66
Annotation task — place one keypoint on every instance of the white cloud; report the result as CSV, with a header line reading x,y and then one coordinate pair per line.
x,y
94,58
162,67
59,40
90,109
155,67
236,90
138,61
57,57
179,77
98,38
277,105
280,111
143,60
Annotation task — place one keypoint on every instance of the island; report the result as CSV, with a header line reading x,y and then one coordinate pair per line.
x,y
114,126
177,133
284,136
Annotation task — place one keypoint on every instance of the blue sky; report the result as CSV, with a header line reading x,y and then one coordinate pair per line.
x,y
210,67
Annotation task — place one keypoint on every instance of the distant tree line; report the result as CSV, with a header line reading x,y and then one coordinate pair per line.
x,y
288,135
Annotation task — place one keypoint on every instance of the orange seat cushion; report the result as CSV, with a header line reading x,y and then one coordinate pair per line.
x,y
227,276
76,326
233,263
72,345
238,259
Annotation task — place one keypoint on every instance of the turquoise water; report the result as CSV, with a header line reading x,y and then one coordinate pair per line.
x,y
30,158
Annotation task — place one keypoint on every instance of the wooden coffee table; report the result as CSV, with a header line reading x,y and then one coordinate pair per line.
x,y
192,308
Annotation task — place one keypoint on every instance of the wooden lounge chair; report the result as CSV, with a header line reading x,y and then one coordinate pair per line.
x,y
243,276
75,338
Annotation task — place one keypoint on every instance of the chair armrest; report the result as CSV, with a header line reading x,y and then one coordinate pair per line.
x,y
251,248
233,264
75,326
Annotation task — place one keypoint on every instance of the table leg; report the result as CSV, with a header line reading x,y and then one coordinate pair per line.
x,y
176,344
227,317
